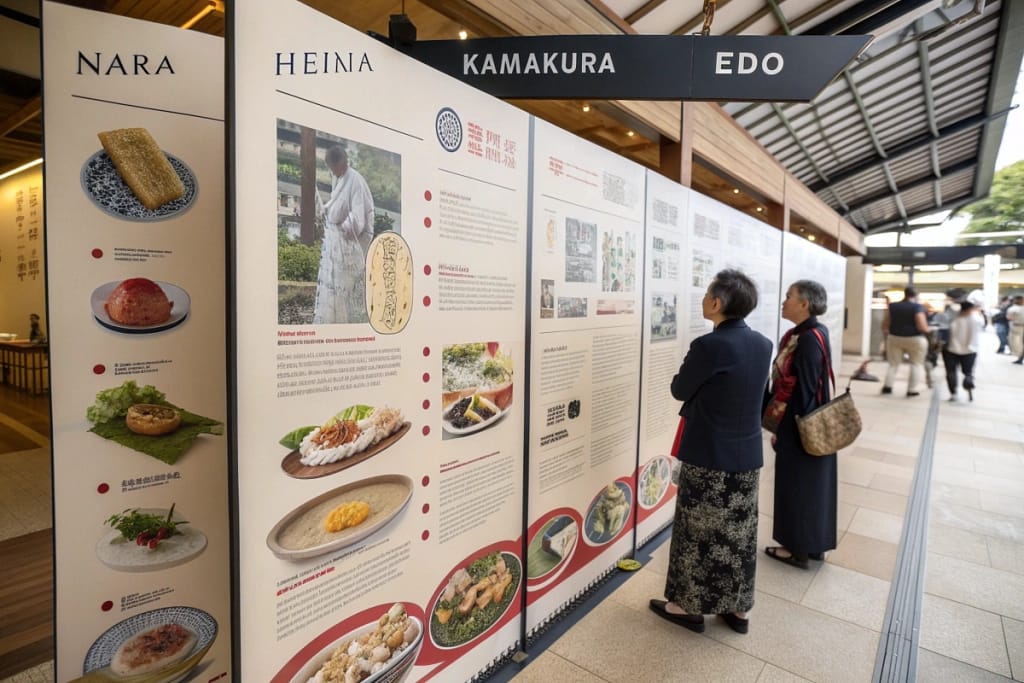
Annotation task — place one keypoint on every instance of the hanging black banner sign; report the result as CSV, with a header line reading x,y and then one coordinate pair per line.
x,y
719,68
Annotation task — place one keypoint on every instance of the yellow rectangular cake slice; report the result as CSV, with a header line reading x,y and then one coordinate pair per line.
x,y
143,166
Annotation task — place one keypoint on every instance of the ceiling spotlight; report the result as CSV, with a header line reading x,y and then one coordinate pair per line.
x,y
811,237
630,133
735,190
759,209
586,107
463,34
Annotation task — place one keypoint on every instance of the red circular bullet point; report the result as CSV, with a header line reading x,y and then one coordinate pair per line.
x,y
427,195
426,351
103,488
107,606
425,481
97,253
426,222
426,430
425,535
426,301
426,376
426,404
426,508
99,369
426,270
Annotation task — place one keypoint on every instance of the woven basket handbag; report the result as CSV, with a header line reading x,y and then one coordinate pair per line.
x,y
832,426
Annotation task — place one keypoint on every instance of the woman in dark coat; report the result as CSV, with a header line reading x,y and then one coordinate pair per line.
x,y
805,485
714,537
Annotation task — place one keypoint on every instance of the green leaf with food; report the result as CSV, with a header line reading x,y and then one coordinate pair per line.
x,y
165,447
114,403
293,439
145,528
354,413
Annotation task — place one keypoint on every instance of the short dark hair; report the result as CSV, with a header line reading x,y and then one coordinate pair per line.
x,y
909,292
966,305
335,153
814,294
737,292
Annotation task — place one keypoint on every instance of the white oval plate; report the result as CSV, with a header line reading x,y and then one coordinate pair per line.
x,y
125,556
180,300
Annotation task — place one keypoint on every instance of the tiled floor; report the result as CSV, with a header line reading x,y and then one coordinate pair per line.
x,y
822,624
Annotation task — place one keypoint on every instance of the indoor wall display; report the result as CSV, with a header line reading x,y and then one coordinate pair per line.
x,y
665,340
22,266
586,261
136,280
381,209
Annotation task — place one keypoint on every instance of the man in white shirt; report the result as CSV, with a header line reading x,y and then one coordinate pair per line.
x,y
961,351
348,229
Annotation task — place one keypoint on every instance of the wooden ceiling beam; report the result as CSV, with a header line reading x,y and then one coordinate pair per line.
x,y
471,17
29,111
644,9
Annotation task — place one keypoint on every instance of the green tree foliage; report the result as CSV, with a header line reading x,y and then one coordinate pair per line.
x,y
383,173
296,262
1002,210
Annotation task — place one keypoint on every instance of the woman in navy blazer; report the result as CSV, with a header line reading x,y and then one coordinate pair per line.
x,y
721,382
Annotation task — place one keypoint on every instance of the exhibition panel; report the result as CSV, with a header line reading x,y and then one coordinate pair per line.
x,y
135,249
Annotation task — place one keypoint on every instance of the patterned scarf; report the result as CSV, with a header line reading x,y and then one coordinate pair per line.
x,y
783,379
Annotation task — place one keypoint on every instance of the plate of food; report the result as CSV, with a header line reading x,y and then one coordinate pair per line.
x,y
470,414
553,544
355,434
654,481
139,305
159,646
608,513
382,651
141,418
133,179
149,539
340,517
474,598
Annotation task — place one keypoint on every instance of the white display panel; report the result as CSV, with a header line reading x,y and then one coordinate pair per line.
x,y
136,294
731,239
667,285
804,260
441,323
586,322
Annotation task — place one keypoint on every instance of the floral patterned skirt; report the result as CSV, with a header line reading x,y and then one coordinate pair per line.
x,y
713,552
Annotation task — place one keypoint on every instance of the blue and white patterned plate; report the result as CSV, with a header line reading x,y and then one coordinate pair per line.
x,y
195,620
108,191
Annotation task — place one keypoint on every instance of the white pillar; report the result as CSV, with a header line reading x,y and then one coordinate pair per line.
x,y
990,286
860,281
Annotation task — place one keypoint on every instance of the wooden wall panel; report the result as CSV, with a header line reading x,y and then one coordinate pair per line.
x,y
722,142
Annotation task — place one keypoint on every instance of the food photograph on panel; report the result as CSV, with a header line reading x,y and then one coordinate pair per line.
x,y
350,437
382,648
476,380
160,646
618,261
132,178
608,513
141,418
334,197
139,305
474,597
340,517
149,539
654,480
552,546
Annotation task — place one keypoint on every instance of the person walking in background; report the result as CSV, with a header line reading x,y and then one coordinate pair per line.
x,y
962,350
713,553
905,329
1002,324
1015,316
805,485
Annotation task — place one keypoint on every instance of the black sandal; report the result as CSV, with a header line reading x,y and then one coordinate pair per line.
x,y
738,624
772,551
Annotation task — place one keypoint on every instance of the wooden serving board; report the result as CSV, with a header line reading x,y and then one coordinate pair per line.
x,y
293,467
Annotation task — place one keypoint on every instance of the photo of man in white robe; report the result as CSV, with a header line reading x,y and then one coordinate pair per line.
x,y
348,230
